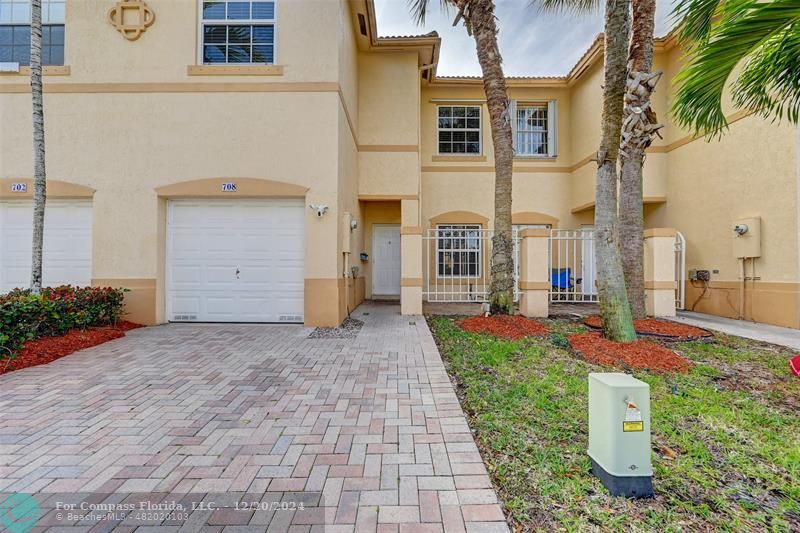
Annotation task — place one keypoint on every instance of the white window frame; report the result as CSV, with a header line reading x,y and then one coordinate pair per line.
x,y
47,21
479,129
479,252
201,23
552,127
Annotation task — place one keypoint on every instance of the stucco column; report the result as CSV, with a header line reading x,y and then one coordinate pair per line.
x,y
411,258
534,277
659,271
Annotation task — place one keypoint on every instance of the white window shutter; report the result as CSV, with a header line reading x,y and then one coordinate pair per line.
x,y
512,115
552,129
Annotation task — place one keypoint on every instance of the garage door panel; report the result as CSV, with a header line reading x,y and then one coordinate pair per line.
x,y
286,275
219,277
221,305
67,250
182,304
258,308
220,242
17,244
186,275
263,239
188,242
59,276
284,243
23,274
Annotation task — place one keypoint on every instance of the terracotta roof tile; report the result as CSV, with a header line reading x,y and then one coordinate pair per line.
x,y
420,36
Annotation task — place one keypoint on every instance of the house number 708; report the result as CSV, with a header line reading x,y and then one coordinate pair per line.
x,y
228,187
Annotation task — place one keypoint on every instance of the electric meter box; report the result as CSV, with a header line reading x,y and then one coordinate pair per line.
x,y
747,243
619,434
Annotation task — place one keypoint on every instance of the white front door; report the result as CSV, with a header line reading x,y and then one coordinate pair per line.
x,y
235,260
386,260
67,252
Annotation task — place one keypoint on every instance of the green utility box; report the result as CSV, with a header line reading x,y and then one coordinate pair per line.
x,y
619,433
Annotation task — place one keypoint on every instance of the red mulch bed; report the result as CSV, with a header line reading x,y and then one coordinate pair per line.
x,y
47,349
658,328
640,354
504,326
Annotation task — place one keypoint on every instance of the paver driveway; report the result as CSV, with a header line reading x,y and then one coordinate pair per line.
x,y
366,434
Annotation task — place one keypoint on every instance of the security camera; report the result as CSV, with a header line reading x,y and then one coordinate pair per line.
x,y
740,229
320,209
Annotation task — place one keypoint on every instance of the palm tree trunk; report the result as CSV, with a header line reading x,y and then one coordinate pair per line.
x,y
39,181
614,308
636,137
481,22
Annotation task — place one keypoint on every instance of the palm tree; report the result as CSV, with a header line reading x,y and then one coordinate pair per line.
x,y
639,128
611,284
479,20
39,179
721,34
614,308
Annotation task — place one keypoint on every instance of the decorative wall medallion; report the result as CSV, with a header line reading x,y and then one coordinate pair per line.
x,y
131,18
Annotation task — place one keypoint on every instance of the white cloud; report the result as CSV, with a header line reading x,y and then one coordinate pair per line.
x,y
533,43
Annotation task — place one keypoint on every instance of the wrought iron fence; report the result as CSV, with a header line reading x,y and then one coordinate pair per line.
x,y
572,264
457,262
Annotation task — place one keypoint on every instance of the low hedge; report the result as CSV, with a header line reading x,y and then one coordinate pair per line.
x,y
25,316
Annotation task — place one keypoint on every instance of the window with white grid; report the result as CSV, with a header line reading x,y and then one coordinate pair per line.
x,y
458,250
236,32
532,130
15,32
459,129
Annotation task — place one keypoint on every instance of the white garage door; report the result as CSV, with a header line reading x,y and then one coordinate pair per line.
x,y
235,260
67,243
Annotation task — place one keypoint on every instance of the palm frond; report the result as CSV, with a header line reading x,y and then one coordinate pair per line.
x,y
695,17
567,6
747,26
419,9
770,80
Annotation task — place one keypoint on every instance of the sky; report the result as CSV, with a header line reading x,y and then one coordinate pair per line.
x,y
533,43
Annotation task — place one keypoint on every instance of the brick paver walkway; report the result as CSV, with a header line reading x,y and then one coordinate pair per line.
x,y
361,434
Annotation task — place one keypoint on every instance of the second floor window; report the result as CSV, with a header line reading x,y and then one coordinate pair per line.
x,y
459,129
238,32
15,32
534,128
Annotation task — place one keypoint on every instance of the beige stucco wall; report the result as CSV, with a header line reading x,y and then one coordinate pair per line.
x,y
389,95
125,164
471,95
128,119
453,183
713,184
353,127
586,111
750,171
95,50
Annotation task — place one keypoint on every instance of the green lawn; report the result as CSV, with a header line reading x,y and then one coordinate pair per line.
x,y
726,436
